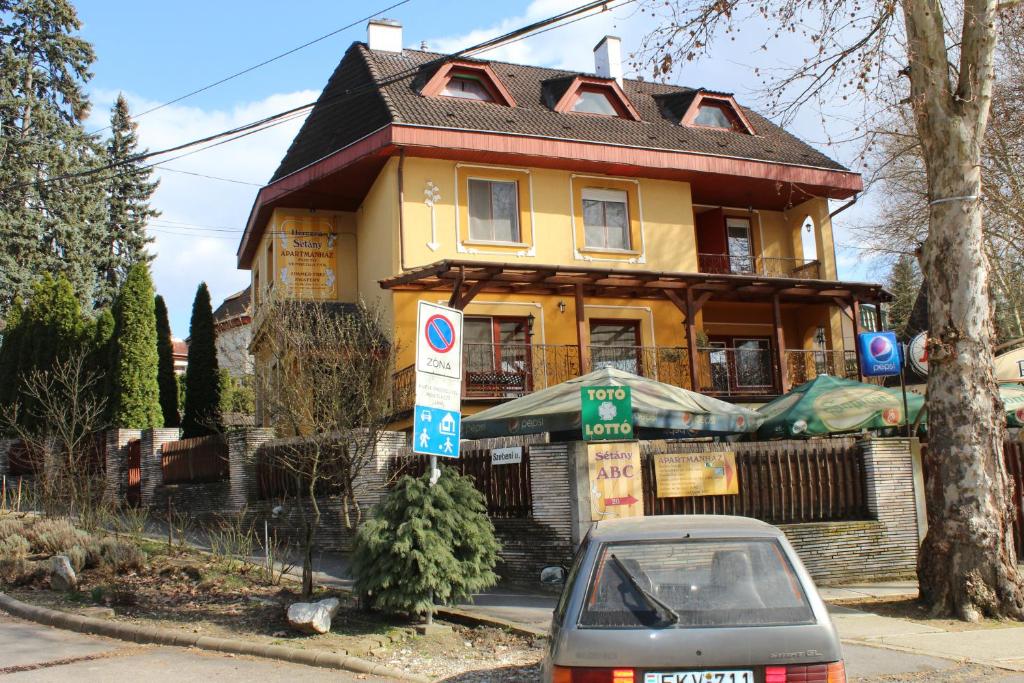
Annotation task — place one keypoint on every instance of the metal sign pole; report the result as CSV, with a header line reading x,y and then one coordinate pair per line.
x,y
906,408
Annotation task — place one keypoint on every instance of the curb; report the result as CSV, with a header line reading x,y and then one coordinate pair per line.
x,y
161,636
870,598
463,617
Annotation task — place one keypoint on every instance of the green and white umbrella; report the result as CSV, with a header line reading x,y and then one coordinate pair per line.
x,y
656,406
833,405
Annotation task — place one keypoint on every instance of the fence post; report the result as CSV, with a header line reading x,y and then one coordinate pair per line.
x,y
242,446
150,461
116,452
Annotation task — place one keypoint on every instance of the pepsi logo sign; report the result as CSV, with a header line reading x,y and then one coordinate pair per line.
x,y
881,349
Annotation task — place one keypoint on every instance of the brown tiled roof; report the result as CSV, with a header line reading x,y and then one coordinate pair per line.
x,y
233,306
370,89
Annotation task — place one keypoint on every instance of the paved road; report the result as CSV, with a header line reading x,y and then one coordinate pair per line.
x,y
32,652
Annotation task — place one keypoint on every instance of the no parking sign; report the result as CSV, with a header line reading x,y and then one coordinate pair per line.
x,y
439,340
436,414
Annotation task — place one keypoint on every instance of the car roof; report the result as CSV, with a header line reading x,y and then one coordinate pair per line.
x,y
682,526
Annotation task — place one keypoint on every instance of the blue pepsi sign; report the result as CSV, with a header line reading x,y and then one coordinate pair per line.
x,y
880,354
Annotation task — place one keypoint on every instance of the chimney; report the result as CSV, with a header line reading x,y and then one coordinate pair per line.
x,y
384,35
608,58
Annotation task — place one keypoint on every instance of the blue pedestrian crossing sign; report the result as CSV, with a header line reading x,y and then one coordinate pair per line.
x,y
436,431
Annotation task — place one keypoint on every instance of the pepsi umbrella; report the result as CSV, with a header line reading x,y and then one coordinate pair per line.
x,y
663,408
833,405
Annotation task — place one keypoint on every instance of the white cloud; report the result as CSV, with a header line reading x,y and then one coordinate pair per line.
x,y
185,254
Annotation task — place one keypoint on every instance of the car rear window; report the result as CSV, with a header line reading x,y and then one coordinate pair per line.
x,y
703,583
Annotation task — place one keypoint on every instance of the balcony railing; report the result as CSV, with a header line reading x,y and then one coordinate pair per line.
x,y
768,266
506,371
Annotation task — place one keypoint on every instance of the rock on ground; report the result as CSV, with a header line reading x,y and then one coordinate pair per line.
x,y
62,575
313,617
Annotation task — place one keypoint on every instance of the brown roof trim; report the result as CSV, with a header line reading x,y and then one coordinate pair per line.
x,y
493,84
619,99
691,113
514,278
841,184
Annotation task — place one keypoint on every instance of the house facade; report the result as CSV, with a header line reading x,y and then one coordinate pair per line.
x,y
579,220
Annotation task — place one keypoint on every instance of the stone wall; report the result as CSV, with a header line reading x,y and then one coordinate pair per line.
x,y
202,502
116,454
5,445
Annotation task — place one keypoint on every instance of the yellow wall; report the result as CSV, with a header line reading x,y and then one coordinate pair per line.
x,y
370,249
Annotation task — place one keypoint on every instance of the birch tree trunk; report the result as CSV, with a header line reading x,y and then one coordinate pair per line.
x,y
967,564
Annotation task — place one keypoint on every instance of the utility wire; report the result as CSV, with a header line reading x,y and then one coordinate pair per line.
x,y
296,112
262,64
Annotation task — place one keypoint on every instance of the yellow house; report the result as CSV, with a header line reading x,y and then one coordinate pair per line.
x,y
579,220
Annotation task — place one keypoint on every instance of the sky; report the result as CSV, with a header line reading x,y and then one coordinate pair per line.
x,y
156,52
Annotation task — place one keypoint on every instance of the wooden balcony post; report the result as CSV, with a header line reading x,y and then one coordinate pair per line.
x,y
582,331
780,345
855,311
691,339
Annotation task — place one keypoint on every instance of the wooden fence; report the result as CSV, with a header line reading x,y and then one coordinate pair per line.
x,y
1013,451
505,487
133,467
22,460
199,460
781,482
278,476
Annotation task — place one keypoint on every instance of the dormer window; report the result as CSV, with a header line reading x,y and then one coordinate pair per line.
x,y
589,95
465,80
594,102
467,87
717,110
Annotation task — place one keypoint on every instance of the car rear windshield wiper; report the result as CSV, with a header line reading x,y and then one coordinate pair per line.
x,y
669,614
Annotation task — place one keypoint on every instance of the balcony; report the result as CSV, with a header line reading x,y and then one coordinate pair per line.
x,y
493,372
768,266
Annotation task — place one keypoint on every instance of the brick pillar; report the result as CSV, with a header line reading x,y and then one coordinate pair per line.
x,y
242,446
371,484
151,464
552,488
892,500
116,451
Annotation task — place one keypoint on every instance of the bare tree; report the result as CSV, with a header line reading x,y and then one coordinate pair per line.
x,y
67,413
325,385
945,52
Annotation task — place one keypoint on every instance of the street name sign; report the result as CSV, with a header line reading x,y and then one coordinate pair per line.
x,y
606,412
511,455
437,419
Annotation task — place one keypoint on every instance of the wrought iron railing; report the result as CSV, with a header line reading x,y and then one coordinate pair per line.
x,y
769,266
736,372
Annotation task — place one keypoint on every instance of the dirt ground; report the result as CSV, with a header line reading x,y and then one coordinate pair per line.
x,y
192,592
914,611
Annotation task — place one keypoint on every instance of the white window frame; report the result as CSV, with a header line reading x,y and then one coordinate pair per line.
x,y
744,223
516,213
609,195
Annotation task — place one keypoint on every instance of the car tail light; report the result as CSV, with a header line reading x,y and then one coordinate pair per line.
x,y
806,673
565,674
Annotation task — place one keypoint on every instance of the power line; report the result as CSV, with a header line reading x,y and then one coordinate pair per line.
x,y
262,64
204,175
295,112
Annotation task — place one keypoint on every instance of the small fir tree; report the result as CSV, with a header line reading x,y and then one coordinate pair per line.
x,y
128,192
135,395
10,352
425,539
904,282
166,379
100,353
202,378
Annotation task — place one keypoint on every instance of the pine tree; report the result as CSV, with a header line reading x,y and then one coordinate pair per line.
x,y
165,374
10,352
47,226
904,281
202,378
128,192
135,395
100,353
425,539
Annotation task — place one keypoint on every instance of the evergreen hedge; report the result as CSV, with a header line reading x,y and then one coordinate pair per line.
x,y
166,379
202,379
135,395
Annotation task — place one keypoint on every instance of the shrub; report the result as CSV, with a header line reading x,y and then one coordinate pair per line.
x,y
9,526
14,547
76,556
121,555
54,536
424,539
19,571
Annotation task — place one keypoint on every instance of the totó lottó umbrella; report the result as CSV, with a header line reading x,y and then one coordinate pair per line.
x,y
833,405
656,406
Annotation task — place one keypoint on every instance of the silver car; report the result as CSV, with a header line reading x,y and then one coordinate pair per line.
x,y
689,599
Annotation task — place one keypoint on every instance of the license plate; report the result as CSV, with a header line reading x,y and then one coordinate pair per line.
x,y
730,676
